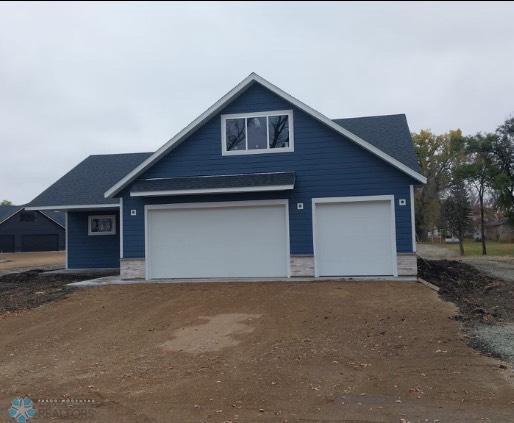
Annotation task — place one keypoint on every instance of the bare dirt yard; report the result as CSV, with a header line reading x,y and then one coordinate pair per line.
x,y
10,262
251,352
496,266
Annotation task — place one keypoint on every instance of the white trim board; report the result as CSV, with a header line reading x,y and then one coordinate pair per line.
x,y
79,207
66,237
121,227
50,218
12,215
218,204
413,218
216,107
211,191
101,216
356,199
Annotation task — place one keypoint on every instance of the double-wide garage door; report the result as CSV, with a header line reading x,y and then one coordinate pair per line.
x,y
218,240
354,237
40,242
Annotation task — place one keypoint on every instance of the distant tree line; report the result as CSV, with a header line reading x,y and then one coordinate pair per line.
x,y
464,173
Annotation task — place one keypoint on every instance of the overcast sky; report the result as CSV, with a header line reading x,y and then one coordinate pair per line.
x,y
81,79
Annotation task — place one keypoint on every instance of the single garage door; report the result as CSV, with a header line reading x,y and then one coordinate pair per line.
x,y
218,240
6,243
48,242
354,238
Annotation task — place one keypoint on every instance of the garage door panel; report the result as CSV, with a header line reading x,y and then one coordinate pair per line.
x,y
218,242
6,243
354,238
40,242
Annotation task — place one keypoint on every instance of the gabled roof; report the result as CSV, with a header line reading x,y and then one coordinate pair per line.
x,y
389,133
86,183
6,212
218,106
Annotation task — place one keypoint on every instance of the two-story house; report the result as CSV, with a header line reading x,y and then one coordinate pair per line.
x,y
259,185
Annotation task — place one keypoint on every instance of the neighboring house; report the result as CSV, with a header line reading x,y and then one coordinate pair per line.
x,y
499,230
24,230
491,218
259,185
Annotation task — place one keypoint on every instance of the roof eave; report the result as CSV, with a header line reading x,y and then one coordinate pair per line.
x,y
77,207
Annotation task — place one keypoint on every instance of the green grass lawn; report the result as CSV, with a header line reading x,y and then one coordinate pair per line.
x,y
494,248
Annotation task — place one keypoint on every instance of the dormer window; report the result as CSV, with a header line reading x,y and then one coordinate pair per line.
x,y
253,133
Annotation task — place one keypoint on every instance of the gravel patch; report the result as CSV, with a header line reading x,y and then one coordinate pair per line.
x,y
434,252
498,339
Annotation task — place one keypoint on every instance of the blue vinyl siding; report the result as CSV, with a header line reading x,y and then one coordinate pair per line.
x,y
326,165
91,252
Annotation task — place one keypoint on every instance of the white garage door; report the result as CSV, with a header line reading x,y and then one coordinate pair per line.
x,y
354,238
218,240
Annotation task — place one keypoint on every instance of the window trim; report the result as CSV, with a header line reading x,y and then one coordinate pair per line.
x,y
101,216
267,150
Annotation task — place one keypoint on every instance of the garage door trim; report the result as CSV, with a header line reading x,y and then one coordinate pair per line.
x,y
356,199
220,204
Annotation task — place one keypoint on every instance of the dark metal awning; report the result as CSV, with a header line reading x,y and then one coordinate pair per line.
x,y
195,185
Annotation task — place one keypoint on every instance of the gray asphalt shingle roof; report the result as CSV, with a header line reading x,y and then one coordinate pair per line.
x,y
7,211
389,133
214,182
87,182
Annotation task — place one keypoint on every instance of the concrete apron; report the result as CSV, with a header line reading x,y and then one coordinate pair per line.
x,y
115,280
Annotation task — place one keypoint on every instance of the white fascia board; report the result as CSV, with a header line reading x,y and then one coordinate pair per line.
x,y
253,77
211,191
74,207
11,215
66,237
178,137
338,128
413,218
53,220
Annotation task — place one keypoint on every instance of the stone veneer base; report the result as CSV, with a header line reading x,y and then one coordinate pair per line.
x,y
132,268
301,266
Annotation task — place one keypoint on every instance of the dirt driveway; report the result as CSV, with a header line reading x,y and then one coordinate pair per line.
x,y
18,261
270,352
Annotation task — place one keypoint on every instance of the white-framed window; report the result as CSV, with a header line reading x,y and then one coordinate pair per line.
x,y
102,224
260,132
